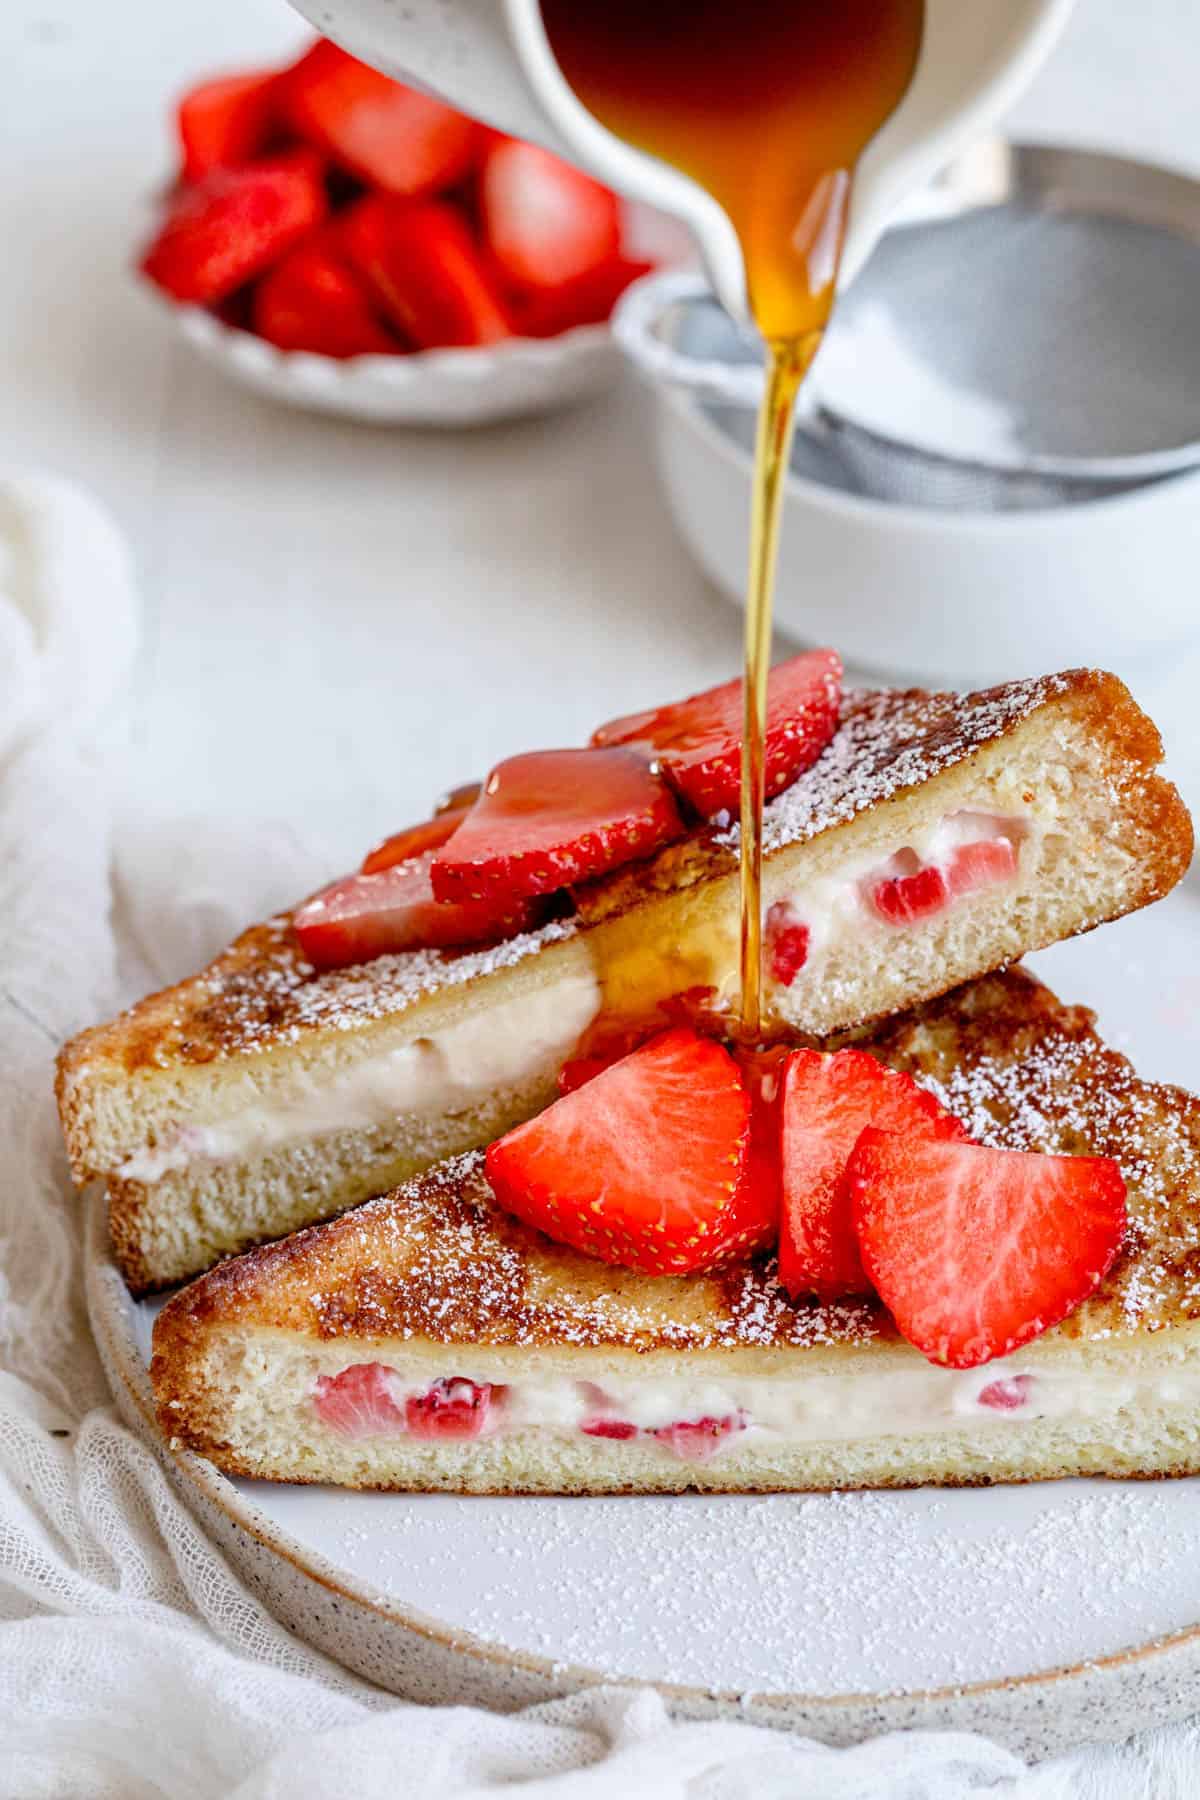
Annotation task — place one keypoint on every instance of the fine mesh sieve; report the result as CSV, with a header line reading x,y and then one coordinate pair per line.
x,y
1028,337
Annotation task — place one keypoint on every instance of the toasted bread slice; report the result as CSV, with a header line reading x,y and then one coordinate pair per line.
x,y
261,1096
334,1355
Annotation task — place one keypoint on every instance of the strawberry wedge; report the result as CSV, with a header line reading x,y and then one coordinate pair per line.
x,y
364,916
425,272
414,840
547,224
975,1251
698,742
312,301
388,135
234,224
647,1166
552,818
226,122
827,1102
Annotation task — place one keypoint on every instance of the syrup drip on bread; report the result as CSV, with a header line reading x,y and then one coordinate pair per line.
x,y
768,107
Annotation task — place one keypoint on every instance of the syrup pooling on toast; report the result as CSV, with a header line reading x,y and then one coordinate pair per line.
x,y
768,106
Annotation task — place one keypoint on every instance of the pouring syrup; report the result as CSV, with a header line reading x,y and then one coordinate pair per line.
x,y
768,105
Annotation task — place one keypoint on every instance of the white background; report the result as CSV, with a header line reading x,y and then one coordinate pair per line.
x,y
343,620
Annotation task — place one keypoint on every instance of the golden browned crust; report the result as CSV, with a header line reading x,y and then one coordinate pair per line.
x,y
683,1479
438,1261
261,994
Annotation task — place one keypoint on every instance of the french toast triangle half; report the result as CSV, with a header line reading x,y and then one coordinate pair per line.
x,y
261,1095
427,1340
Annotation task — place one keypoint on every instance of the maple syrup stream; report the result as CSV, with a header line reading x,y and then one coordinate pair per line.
x,y
768,105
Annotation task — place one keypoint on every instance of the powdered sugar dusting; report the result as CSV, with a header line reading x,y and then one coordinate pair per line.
x,y
1034,1075
889,740
274,995
263,992
440,1259
826,1594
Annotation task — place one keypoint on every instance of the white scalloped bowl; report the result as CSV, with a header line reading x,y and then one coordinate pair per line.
x,y
515,379
519,378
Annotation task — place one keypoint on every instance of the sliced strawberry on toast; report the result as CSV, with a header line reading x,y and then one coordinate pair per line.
x,y
646,1166
314,301
364,916
414,840
552,818
827,1102
390,136
975,1251
426,272
234,224
226,122
698,742
545,222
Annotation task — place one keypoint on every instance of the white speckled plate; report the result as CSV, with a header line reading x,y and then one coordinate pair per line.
x,y
1044,1615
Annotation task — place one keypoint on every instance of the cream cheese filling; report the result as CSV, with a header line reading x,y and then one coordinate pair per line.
x,y
893,1402
837,906
509,1043
449,1071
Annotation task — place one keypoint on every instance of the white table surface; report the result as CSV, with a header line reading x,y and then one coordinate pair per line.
x,y
340,621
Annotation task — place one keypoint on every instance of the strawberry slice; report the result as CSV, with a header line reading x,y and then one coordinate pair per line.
x,y
588,299
827,1102
454,1408
388,135
425,272
313,301
905,899
646,1166
545,222
359,1403
364,916
619,1429
415,840
698,742
551,818
225,122
919,890
788,941
975,866
698,1440
975,1251
234,224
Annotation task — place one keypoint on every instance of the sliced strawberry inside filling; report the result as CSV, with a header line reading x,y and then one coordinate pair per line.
x,y
912,890
609,1428
698,1440
975,866
451,1409
1008,1395
788,940
361,1402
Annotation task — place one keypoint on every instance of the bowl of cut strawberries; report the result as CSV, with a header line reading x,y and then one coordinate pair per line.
x,y
344,243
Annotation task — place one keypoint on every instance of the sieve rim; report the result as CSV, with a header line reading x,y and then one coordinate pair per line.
x,y
997,171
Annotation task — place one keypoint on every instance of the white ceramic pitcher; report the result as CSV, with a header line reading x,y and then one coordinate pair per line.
x,y
491,58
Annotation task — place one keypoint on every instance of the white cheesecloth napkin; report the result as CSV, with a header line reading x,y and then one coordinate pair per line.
x,y
132,1660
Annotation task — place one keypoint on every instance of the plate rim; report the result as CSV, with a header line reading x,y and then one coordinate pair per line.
x,y
109,1305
